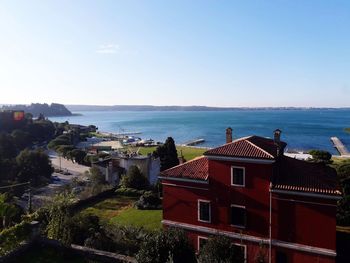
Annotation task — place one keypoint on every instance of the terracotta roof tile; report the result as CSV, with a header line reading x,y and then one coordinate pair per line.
x,y
248,147
195,169
296,175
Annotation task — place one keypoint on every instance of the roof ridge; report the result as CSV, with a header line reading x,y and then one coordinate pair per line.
x,y
259,148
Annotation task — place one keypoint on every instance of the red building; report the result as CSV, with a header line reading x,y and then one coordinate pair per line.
x,y
271,206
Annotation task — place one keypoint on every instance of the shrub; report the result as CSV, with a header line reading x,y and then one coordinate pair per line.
x,y
134,179
11,238
96,176
148,200
343,170
219,249
321,156
129,192
170,245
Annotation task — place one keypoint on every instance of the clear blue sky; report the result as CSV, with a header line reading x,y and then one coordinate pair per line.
x,y
215,53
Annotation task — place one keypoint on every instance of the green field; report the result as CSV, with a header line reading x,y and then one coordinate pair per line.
x,y
148,219
119,210
188,152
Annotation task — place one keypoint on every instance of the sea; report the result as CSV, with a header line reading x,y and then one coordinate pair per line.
x,y
302,129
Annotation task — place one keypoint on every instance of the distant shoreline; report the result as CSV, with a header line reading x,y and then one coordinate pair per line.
x,y
75,108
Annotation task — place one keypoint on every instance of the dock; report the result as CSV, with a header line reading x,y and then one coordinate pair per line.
x,y
193,142
341,148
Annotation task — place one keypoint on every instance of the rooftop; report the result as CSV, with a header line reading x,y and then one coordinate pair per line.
x,y
297,175
196,169
289,173
249,147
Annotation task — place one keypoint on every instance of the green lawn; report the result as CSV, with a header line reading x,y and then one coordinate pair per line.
x,y
188,152
109,208
148,219
119,210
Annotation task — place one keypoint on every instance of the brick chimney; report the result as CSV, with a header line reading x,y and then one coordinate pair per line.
x,y
228,135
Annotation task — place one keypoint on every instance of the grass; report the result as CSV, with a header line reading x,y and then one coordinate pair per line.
x,y
109,208
148,219
119,210
339,160
188,152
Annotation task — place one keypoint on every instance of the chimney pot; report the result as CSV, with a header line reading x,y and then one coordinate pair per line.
x,y
228,135
277,136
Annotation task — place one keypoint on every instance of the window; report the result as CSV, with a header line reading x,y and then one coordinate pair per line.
x,y
241,252
238,216
204,211
237,176
201,242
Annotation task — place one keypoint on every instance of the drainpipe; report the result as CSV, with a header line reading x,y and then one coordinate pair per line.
x,y
270,224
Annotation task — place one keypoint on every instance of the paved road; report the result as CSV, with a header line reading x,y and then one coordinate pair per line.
x,y
44,194
74,168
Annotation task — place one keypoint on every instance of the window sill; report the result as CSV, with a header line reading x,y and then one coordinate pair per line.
x,y
204,221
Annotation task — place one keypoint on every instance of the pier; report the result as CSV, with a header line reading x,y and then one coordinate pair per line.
x,y
340,146
193,142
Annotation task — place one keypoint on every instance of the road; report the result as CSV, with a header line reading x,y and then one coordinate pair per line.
x,y
44,194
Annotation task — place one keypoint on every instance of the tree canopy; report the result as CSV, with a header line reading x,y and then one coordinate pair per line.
x,y
171,245
134,179
220,249
167,154
33,166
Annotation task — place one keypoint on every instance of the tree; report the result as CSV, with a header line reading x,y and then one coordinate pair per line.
x,y
167,154
96,176
7,211
321,156
220,249
7,146
59,216
65,150
33,166
134,179
78,156
21,139
171,245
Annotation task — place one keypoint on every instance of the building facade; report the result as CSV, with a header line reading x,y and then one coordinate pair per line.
x,y
273,207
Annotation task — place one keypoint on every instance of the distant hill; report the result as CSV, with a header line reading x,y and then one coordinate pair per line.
x,y
53,110
75,108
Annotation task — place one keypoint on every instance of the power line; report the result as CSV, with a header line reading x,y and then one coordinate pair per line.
x,y
14,185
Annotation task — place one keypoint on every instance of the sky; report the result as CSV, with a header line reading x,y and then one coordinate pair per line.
x,y
214,53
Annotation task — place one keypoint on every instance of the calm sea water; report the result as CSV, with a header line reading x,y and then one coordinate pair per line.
x,y
301,129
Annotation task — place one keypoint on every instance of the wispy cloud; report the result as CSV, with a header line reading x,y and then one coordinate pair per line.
x,y
107,49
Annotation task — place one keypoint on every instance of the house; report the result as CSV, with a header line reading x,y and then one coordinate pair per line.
x,y
119,164
272,206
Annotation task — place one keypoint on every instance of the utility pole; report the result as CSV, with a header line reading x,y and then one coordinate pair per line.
x,y
59,155
29,200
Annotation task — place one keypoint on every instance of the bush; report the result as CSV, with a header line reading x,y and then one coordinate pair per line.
x,y
148,200
343,170
171,245
11,238
219,249
321,156
129,192
126,239
134,179
96,176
